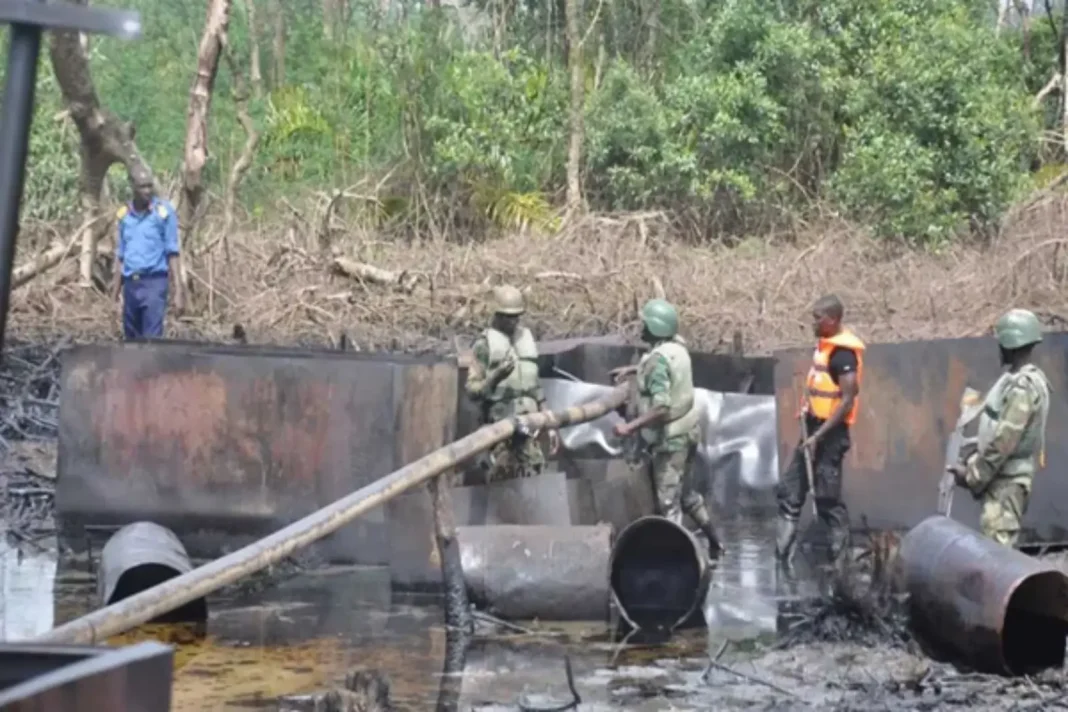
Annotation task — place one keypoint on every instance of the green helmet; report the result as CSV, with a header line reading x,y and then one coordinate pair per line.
x,y
660,318
508,300
1017,328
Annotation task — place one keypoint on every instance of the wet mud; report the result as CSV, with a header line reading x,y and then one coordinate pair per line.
x,y
772,643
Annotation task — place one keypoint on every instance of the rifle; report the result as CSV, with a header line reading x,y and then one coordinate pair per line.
x,y
971,405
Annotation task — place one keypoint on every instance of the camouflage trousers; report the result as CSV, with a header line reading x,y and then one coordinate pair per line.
x,y
514,458
1004,504
672,475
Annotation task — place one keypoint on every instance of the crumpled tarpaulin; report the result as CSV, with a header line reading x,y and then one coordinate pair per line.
x,y
739,448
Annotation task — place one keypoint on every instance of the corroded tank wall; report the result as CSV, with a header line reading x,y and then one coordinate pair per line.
x,y
240,441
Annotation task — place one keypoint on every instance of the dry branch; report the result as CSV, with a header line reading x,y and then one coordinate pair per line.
x,y
44,261
403,281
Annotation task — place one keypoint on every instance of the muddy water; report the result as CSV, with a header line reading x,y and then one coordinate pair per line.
x,y
271,650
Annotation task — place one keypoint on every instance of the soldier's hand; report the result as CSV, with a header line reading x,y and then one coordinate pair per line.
x,y
554,442
621,373
504,368
179,301
957,471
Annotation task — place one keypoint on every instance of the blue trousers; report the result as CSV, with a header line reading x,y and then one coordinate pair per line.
x,y
144,304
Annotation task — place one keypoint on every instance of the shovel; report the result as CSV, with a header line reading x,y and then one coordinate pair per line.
x,y
971,405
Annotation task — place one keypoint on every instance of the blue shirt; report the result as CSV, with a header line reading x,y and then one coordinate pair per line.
x,y
147,239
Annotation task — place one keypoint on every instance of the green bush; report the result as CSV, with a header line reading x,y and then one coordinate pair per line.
x,y
909,115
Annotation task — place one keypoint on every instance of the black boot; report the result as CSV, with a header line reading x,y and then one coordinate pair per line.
x,y
785,539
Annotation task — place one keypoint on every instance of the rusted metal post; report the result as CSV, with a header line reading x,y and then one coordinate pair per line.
x,y
981,603
143,607
457,610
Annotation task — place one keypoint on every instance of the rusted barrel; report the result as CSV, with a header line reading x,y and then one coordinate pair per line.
x,y
544,572
660,574
139,556
983,604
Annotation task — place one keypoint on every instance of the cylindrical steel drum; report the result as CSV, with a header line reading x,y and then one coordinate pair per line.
x,y
660,574
544,572
140,556
981,603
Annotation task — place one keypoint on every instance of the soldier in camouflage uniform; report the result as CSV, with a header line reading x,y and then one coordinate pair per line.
x,y
503,381
1012,431
667,421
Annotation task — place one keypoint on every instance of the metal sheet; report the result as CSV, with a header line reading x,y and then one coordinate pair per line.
x,y
237,440
981,603
527,500
659,574
909,406
737,461
139,556
53,678
548,573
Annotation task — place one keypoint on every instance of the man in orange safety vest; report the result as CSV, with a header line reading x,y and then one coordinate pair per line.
x,y
829,407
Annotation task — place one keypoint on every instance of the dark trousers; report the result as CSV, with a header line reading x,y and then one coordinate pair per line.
x,y
826,476
144,304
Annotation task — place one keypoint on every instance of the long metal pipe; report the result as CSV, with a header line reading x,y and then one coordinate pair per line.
x,y
145,606
975,601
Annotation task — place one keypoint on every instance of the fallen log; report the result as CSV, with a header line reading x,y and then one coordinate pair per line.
x,y
143,607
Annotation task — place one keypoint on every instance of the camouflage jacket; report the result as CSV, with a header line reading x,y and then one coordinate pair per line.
x,y
658,385
1011,431
478,386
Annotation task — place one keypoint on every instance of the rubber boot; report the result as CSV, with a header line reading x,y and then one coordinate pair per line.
x,y
785,540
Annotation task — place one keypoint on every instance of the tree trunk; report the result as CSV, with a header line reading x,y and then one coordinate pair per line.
x,y
196,131
574,149
255,73
1064,79
244,161
329,19
104,138
279,67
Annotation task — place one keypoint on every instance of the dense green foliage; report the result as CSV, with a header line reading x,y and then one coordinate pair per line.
x,y
905,114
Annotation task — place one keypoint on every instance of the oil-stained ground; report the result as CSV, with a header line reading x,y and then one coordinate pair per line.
x,y
769,645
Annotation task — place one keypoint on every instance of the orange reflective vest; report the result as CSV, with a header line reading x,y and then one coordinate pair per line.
x,y
821,392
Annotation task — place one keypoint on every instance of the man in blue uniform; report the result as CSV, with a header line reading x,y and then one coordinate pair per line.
x,y
146,259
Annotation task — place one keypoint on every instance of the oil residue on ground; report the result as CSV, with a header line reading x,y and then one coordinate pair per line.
x,y
271,647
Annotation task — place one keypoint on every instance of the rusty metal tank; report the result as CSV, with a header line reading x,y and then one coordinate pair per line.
x,y
660,574
977,602
543,572
140,556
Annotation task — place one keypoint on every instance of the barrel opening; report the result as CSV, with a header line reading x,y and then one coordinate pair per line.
x,y
1036,624
141,578
657,574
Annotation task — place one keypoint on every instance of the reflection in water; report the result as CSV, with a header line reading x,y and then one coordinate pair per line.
x,y
747,590
26,581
